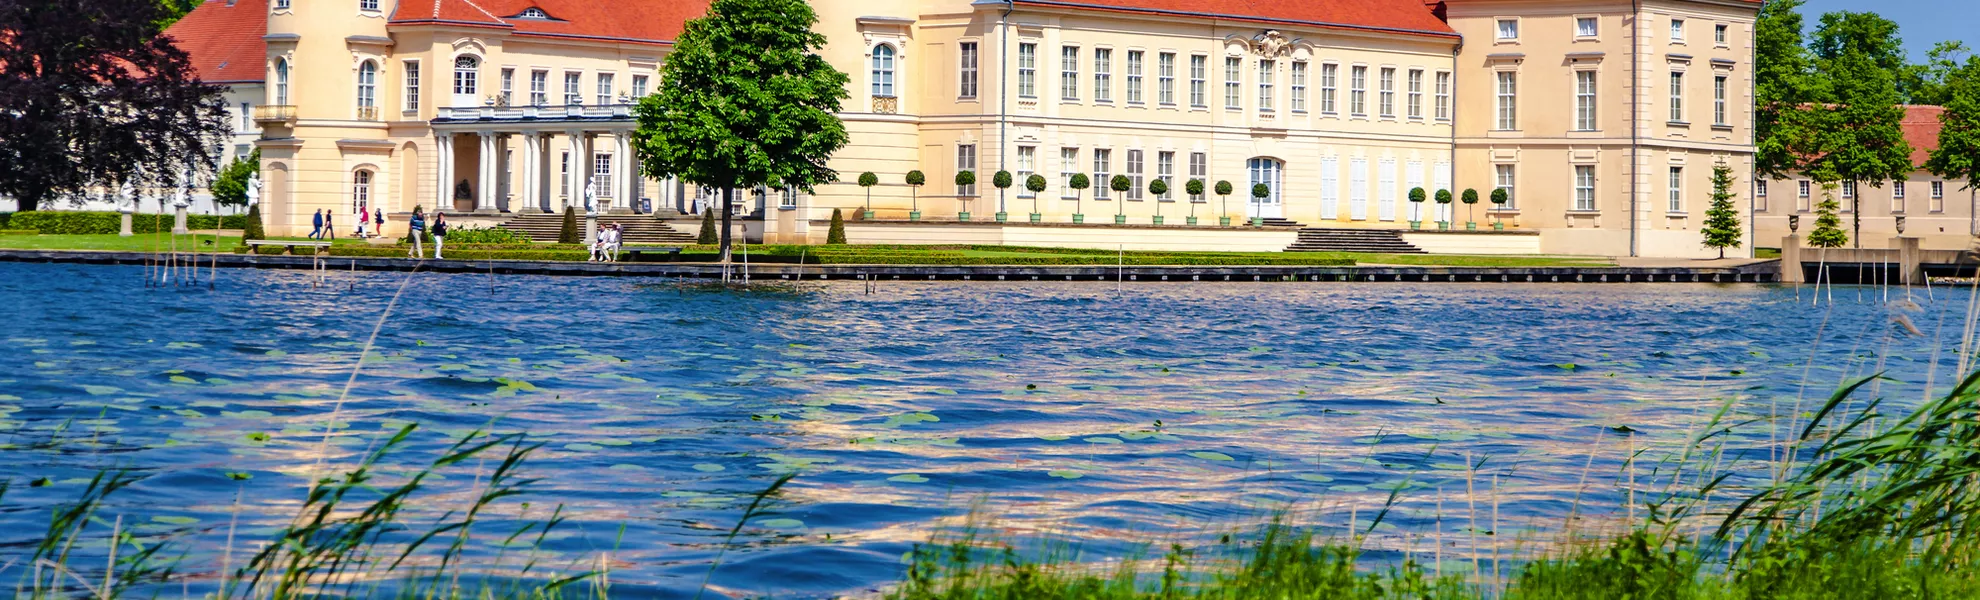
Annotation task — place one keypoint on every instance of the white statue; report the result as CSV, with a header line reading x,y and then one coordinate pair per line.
x,y
254,189
183,198
127,198
591,194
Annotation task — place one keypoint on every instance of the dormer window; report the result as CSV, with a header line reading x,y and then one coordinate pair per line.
x,y
533,13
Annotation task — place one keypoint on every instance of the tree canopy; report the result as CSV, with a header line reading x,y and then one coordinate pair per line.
x,y
1958,155
230,187
92,95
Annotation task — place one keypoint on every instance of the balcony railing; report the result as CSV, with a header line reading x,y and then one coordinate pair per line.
x,y
275,113
886,105
367,113
512,113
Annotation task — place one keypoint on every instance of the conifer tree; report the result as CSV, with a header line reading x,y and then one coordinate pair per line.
x,y
1828,231
568,233
1722,219
837,234
707,236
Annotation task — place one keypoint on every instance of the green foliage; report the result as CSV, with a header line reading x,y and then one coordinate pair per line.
x,y
965,178
868,179
837,234
1223,188
1958,155
1260,190
1499,197
1417,195
1443,196
708,233
1080,181
1942,63
1157,187
91,222
1470,196
1194,187
1001,180
252,229
1722,228
1828,231
916,178
230,187
1035,183
490,235
1120,183
567,232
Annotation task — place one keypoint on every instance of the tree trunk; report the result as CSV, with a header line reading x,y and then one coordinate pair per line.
x,y
728,208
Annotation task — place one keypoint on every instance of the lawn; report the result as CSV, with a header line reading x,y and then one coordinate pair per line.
x,y
135,243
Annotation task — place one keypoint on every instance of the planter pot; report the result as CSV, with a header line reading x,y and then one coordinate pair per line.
x,y
1415,225
1471,226
1224,221
1258,221
1035,217
1443,225
1003,216
1077,218
1191,220
1120,219
962,216
1158,219
1499,226
866,215
914,215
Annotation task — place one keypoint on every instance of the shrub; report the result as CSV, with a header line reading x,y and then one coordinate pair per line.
x,y
837,234
491,235
19,232
568,233
707,235
51,222
252,230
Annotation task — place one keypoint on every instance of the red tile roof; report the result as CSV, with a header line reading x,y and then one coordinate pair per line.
x,y
1921,126
224,39
648,21
1405,16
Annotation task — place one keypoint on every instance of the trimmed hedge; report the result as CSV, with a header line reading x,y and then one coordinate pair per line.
x,y
62,222
20,232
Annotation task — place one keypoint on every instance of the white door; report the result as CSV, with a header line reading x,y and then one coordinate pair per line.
x,y
1271,173
467,82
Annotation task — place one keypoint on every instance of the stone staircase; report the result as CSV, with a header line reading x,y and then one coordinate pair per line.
x,y
639,229
1387,241
1278,222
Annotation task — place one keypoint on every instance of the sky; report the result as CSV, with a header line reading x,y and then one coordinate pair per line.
x,y
1922,23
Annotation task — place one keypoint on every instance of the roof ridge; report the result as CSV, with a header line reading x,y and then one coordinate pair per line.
x,y
485,12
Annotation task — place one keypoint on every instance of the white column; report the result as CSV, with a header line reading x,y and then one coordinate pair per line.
x,y
577,147
485,163
622,180
532,180
444,171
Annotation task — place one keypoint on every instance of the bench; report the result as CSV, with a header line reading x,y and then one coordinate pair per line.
x,y
635,253
289,245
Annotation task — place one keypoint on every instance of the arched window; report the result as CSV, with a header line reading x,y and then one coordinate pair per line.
x,y
282,81
883,71
360,188
367,91
534,13
465,70
1268,171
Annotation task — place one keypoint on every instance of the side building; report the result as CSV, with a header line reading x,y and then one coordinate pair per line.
x,y
1938,211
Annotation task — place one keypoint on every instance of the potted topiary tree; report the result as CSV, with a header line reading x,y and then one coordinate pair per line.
x,y
1002,181
1036,185
1224,199
1120,184
1499,199
1078,183
1416,198
964,179
1259,192
1156,187
914,181
1470,198
868,180
1443,206
1195,189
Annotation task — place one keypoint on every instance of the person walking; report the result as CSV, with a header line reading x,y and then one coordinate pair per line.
x,y
364,220
316,222
439,235
330,224
378,218
416,227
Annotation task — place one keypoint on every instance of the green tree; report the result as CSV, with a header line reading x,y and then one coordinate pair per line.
x,y
1470,199
1002,181
1828,231
1958,155
965,179
1224,197
1259,192
1722,219
253,230
230,187
1443,202
914,180
707,236
567,233
1416,198
1120,184
1856,135
1156,188
837,234
866,182
1783,86
1079,182
745,101
1873,37
1035,184
1941,65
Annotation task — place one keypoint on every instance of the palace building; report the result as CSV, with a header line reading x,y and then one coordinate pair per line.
x,y
1601,118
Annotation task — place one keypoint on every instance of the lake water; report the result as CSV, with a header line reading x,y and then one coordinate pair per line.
x,y
1073,410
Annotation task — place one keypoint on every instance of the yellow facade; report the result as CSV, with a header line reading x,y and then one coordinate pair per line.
x,y
1341,122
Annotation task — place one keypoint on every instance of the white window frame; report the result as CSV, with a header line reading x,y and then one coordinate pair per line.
x,y
1027,157
1199,80
1137,170
1676,189
1027,71
1897,197
882,70
1165,78
1586,105
639,86
1103,171
1165,170
1506,177
508,89
1103,75
1330,79
1593,29
1413,103
282,81
1386,101
1506,91
967,68
1267,68
605,83
539,87
1298,84
1719,108
467,79
573,84
1134,76
1584,188
361,181
601,169
1937,203
1677,31
1199,169
1721,34
367,90
1233,83
1443,95
1069,73
1068,166
966,161
409,73
1358,91
370,6
1505,30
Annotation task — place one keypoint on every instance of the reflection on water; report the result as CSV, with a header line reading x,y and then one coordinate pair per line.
x,y
1069,408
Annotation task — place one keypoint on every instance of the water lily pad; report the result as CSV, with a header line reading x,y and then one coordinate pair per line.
x,y
1313,477
184,379
1211,455
908,478
101,390
1347,488
1101,440
1065,474
1055,438
781,523
910,419
708,467
182,345
274,354
174,520
582,447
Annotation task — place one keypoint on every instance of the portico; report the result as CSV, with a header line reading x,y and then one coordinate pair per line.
x,y
537,158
